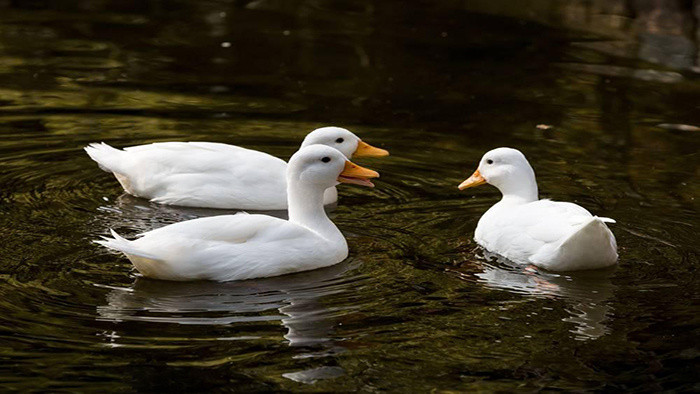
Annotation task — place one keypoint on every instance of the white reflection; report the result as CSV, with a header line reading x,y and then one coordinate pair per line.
x,y
297,297
310,376
300,300
585,292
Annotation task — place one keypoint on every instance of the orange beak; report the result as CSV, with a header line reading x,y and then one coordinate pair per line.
x,y
352,173
475,180
367,150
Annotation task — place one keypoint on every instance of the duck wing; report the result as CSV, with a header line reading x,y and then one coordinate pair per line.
x,y
519,232
200,174
222,247
560,236
551,221
239,228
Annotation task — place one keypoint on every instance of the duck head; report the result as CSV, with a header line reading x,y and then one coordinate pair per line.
x,y
508,170
343,140
321,167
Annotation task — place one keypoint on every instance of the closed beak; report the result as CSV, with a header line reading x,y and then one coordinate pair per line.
x,y
367,150
475,180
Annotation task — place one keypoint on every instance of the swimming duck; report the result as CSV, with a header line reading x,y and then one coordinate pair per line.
x,y
243,246
557,236
216,175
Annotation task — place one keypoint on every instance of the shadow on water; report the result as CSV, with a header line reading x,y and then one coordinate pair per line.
x,y
141,215
138,215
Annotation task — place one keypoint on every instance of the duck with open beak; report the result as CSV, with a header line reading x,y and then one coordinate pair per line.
x,y
352,173
366,150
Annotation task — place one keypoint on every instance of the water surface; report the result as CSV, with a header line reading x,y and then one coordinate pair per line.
x,y
417,306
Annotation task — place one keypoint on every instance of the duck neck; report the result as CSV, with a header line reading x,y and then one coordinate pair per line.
x,y
306,209
520,190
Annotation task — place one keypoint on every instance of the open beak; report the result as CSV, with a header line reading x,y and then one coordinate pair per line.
x,y
367,150
352,173
475,180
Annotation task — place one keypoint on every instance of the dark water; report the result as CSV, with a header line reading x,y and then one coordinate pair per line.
x,y
417,306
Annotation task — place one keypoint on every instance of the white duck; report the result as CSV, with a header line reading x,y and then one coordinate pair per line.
x,y
215,175
243,246
557,236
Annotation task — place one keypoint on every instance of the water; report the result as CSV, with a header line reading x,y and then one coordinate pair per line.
x,y
417,306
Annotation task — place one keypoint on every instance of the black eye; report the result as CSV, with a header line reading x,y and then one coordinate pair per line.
x,y
339,140
326,159
489,161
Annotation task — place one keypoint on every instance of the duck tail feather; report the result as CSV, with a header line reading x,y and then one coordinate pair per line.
x,y
593,245
605,220
117,242
107,157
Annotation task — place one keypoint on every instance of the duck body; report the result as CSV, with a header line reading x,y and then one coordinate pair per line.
x,y
215,175
243,246
557,236
200,174
230,247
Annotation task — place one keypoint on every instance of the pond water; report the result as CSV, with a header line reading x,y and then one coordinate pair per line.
x,y
417,306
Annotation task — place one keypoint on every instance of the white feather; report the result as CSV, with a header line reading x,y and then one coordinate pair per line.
x,y
243,246
558,236
208,174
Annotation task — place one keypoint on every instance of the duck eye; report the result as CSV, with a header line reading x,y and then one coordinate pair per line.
x,y
326,159
339,140
489,161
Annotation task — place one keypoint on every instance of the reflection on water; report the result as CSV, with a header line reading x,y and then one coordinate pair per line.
x,y
297,299
313,375
586,294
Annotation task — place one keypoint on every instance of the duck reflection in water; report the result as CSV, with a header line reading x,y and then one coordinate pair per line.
x,y
585,292
299,299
